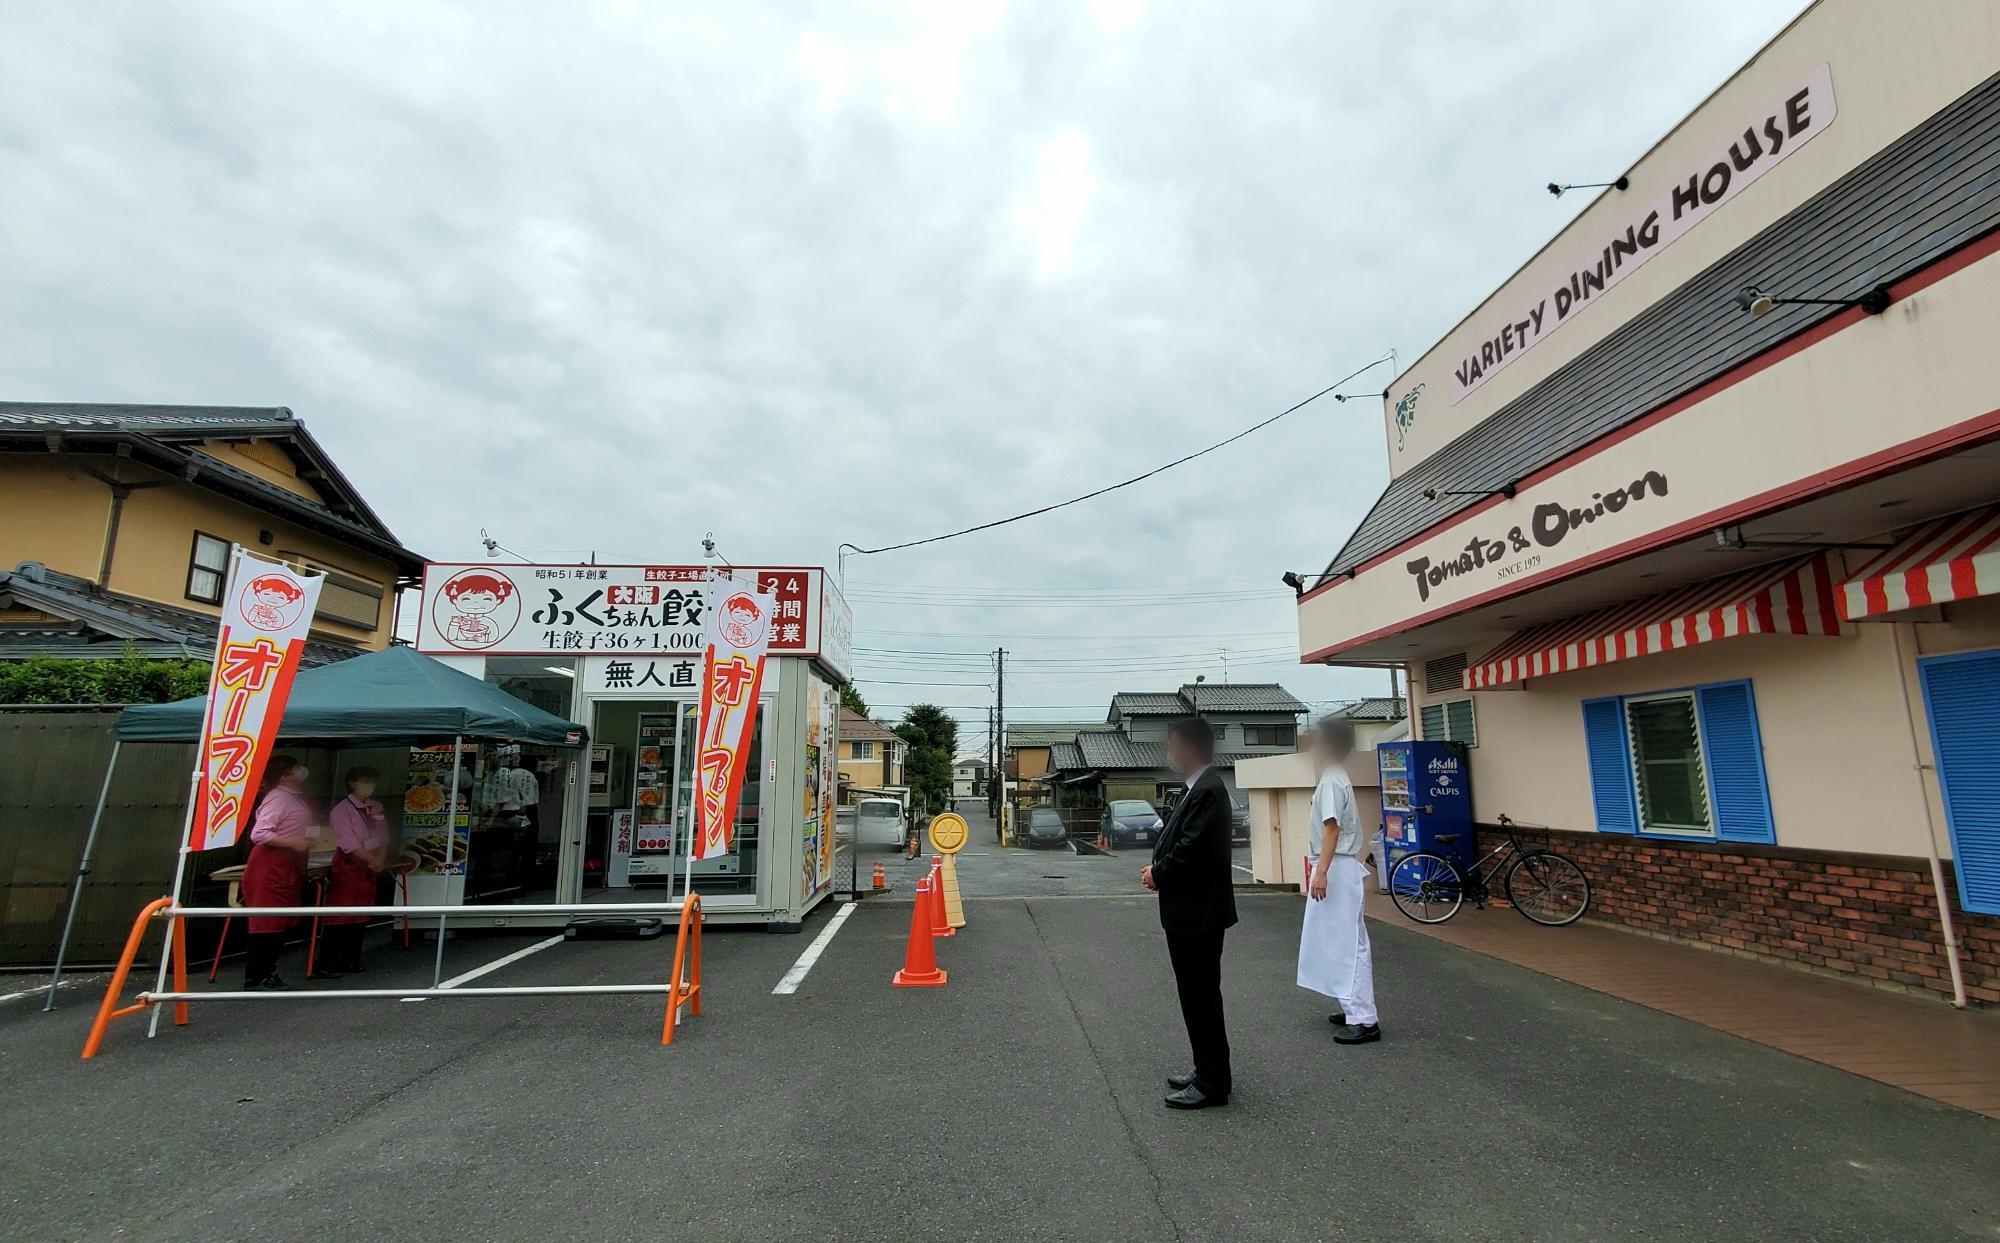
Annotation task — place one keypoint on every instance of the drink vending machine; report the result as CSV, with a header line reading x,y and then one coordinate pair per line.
x,y
1426,791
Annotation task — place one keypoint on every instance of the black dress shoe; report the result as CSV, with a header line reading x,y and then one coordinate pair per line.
x,y
1337,1018
1349,1033
1177,1082
322,975
1192,1097
269,984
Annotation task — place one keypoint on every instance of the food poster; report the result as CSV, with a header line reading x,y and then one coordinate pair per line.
x,y
427,788
652,785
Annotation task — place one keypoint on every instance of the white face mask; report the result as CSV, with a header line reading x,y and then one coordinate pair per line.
x,y
297,777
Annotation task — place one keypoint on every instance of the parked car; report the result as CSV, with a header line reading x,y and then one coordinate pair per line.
x,y
879,822
1130,821
1239,819
1046,828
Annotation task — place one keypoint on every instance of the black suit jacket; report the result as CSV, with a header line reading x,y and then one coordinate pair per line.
x,y
1191,863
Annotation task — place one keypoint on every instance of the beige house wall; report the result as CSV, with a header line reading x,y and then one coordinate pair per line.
x,y
1838,756
1279,789
54,513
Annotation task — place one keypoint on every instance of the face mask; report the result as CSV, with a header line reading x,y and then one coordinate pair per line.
x,y
364,789
297,777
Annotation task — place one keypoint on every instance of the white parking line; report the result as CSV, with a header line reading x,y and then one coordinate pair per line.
x,y
495,965
797,975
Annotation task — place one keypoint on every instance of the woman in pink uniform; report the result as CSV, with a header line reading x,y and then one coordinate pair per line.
x,y
281,833
361,843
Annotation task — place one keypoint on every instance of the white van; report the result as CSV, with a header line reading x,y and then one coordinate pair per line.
x,y
879,822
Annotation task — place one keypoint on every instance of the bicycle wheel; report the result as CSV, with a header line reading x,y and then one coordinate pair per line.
x,y
1548,888
1426,887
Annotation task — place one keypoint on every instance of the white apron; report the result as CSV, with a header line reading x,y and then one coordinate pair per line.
x,y
1330,941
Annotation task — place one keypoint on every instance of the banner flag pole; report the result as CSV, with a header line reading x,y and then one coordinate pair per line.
x,y
450,842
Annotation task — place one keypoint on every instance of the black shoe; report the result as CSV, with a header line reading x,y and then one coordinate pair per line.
x,y
1177,1082
1192,1097
269,984
322,974
1348,1033
1337,1018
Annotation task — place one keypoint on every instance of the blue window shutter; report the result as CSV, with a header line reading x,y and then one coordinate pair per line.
x,y
1610,766
1961,694
1736,790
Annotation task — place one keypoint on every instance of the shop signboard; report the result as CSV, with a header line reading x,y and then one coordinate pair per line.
x,y
267,608
514,609
618,858
648,677
740,625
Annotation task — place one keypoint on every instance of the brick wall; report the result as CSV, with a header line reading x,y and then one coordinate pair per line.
x,y
1869,917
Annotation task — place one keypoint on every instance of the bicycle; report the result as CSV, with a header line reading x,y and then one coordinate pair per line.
x,y
1546,887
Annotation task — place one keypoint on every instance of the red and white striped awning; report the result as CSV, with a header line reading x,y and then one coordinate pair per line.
x,y
1795,597
1953,558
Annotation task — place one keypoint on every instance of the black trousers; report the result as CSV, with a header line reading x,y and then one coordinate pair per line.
x,y
1197,958
260,955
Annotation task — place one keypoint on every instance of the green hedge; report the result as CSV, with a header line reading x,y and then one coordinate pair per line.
x,y
126,680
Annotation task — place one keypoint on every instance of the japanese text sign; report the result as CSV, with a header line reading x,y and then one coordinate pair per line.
x,y
740,623
503,609
267,609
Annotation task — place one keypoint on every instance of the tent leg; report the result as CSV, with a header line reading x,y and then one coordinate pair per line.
x,y
450,841
82,870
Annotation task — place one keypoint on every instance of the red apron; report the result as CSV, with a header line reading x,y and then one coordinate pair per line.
x,y
348,883
274,876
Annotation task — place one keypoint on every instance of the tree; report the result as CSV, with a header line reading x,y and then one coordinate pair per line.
x,y
933,739
851,699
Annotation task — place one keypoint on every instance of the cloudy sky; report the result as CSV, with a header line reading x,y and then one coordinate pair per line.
x,y
599,279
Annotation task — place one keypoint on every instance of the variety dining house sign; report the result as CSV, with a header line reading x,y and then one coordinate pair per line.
x,y
1769,136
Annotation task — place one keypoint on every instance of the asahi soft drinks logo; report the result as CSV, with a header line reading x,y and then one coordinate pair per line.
x,y
1516,551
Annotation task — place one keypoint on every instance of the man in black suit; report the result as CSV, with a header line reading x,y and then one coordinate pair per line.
x,y
1191,873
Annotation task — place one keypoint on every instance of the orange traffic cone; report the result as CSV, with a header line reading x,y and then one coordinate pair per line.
x,y
919,962
940,925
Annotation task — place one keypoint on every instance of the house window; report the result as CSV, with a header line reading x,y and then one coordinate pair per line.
x,y
208,566
1667,764
1680,763
1270,735
863,750
1450,721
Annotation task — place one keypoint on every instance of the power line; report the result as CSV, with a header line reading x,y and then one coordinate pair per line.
x,y
1075,500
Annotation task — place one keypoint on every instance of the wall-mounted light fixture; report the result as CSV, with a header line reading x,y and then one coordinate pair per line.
x,y
1623,183
1437,494
1758,303
1295,582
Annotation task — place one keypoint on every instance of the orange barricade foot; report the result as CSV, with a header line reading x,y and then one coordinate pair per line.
x,y
109,1009
687,953
920,967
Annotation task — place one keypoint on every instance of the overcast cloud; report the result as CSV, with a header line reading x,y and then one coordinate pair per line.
x,y
603,278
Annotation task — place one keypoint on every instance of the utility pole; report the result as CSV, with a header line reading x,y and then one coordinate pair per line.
x,y
999,778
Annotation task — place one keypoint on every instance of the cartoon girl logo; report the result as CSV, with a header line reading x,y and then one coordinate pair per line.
x,y
272,601
476,608
741,621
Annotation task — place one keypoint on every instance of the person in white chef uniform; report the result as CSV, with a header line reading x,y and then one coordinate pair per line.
x,y
1333,945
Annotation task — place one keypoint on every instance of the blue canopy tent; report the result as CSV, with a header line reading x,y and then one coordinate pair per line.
x,y
394,695
397,693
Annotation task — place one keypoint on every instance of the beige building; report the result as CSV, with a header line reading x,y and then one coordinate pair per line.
x,y
1690,529
116,524
871,756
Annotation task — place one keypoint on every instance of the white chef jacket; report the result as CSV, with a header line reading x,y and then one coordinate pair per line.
x,y
1333,799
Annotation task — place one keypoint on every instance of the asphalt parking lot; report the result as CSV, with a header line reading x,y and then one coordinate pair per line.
x,y
1021,1101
